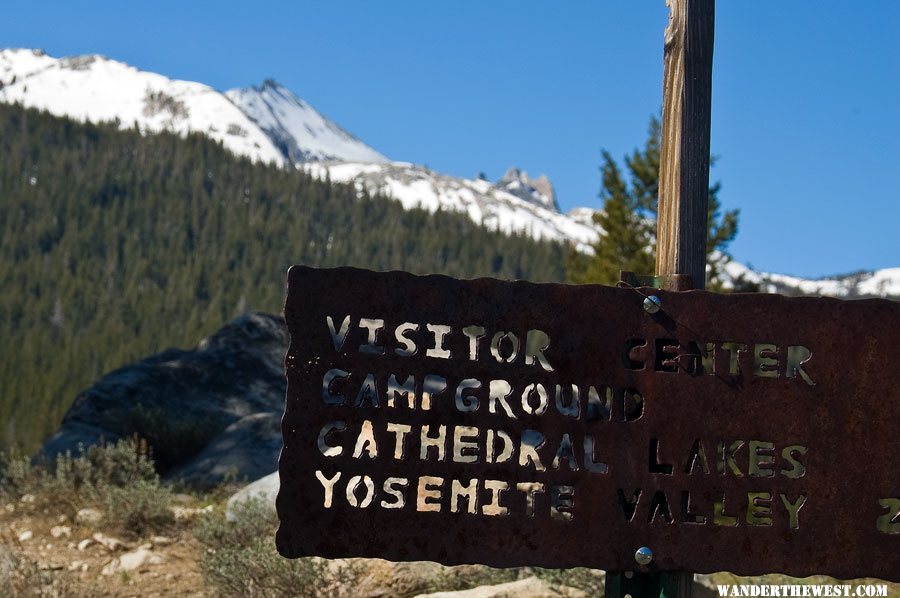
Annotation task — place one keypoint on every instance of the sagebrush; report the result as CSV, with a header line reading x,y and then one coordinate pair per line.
x,y
241,559
118,478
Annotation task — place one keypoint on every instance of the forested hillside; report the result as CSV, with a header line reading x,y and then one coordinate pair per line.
x,y
115,245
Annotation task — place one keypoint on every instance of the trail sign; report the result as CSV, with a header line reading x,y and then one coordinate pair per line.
x,y
511,423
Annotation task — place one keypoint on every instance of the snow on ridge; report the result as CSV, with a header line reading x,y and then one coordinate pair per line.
x,y
884,282
486,203
21,62
878,283
271,124
302,133
96,89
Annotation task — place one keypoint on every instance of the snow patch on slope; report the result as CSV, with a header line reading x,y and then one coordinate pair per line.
x,y
484,202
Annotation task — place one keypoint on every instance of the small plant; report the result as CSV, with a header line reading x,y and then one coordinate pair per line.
x,y
22,577
591,581
252,518
119,478
83,477
139,508
241,559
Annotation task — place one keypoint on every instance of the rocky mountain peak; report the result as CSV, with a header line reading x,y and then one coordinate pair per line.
x,y
300,132
537,191
269,83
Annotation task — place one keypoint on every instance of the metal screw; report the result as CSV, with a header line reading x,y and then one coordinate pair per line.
x,y
643,555
652,304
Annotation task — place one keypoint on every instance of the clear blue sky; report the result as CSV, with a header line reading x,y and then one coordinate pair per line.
x,y
806,94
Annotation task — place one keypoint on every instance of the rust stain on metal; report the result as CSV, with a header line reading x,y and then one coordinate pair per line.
x,y
510,423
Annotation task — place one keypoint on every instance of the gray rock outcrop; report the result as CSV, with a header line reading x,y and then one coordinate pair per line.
x,y
538,191
264,490
208,413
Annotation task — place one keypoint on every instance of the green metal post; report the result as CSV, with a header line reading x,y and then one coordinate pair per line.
x,y
662,584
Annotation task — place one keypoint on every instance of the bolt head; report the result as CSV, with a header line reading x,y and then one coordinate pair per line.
x,y
652,304
643,555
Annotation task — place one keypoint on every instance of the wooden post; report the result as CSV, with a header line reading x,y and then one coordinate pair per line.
x,y
684,152
683,203
682,226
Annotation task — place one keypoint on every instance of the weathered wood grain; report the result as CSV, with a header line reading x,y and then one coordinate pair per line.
x,y
684,159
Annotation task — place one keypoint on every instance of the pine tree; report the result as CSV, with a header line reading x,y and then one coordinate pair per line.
x,y
627,236
115,246
628,221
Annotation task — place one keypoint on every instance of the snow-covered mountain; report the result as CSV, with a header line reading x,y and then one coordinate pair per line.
x,y
271,124
299,131
514,204
490,204
97,89
878,283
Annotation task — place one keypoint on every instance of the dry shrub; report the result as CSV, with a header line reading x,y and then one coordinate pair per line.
x,y
241,559
119,478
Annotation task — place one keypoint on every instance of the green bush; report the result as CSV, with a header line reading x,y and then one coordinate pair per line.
x,y
139,508
252,519
85,476
241,559
119,478
257,570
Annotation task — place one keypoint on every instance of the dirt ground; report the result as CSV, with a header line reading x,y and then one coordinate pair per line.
x,y
57,556
46,553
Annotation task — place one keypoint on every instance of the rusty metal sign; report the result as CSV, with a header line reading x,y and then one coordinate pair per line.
x,y
510,423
